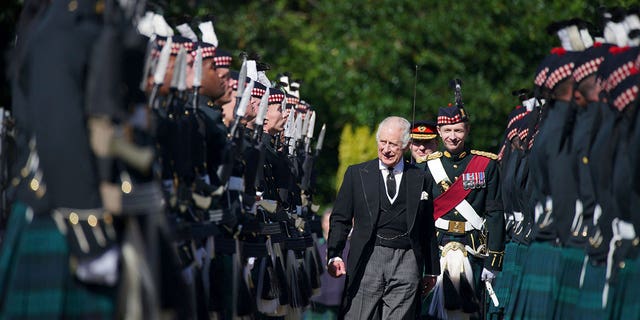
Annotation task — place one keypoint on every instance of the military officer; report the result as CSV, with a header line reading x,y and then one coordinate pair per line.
x,y
423,141
469,217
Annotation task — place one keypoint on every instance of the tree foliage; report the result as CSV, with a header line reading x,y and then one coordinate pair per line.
x,y
357,58
356,145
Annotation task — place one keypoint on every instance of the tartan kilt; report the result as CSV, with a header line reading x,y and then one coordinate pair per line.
x,y
589,304
572,260
625,303
35,278
540,282
504,280
515,296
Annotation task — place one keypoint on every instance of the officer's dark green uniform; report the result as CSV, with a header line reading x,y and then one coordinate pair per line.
x,y
482,229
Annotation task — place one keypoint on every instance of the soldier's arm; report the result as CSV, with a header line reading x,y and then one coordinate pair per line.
x,y
494,220
341,217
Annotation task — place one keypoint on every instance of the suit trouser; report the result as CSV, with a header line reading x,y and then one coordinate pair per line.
x,y
389,286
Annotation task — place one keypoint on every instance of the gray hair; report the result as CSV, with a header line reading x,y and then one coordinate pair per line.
x,y
400,123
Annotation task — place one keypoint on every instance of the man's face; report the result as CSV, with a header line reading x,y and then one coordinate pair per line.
x,y
166,83
390,145
273,122
252,112
421,148
453,136
212,86
227,96
223,74
227,112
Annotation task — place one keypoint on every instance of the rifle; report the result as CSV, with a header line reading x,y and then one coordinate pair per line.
x,y
235,136
307,165
197,77
320,142
160,71
258,140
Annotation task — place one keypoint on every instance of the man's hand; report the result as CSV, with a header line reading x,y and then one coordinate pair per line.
x,y
336,268
487,275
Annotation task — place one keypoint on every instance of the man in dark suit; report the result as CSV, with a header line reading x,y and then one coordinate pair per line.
x,y
393,238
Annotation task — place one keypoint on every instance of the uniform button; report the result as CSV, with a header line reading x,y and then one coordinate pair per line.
x,y
455,166
92,220
74,218
585,160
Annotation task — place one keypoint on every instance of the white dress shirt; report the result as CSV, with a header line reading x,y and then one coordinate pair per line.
x,y
397,173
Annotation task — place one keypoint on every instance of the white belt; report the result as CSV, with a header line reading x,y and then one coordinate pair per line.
x,y
622,230
444,224
464,207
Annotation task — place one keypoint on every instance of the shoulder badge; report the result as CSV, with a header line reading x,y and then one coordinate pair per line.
x,y
489,155
434,155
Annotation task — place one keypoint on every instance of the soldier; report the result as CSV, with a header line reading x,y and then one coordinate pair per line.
x,y
469,217
71,184
423,141
223,60
587,99
620,82
555,198
511,160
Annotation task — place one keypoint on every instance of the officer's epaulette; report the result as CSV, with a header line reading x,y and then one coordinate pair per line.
x,y
434,155
489,155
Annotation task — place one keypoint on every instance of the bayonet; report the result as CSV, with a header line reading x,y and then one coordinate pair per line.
x,y
312,125
197,76
296,134
262,112
244,102
321,139
309,134
289,125
242,108
305,124
161,70
147,63
181,61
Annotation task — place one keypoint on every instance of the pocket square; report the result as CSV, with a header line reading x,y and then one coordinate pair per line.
x,y
424,196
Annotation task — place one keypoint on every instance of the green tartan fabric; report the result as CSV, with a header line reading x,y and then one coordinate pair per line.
x,y
503,282
36,280
590,295
572,260
625,303
516,283
540,282
321,314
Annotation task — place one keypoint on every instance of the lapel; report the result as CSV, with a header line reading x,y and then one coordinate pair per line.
x,y
370,178
415,180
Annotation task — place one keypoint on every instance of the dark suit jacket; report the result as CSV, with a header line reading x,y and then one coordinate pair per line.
x,y
359,198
